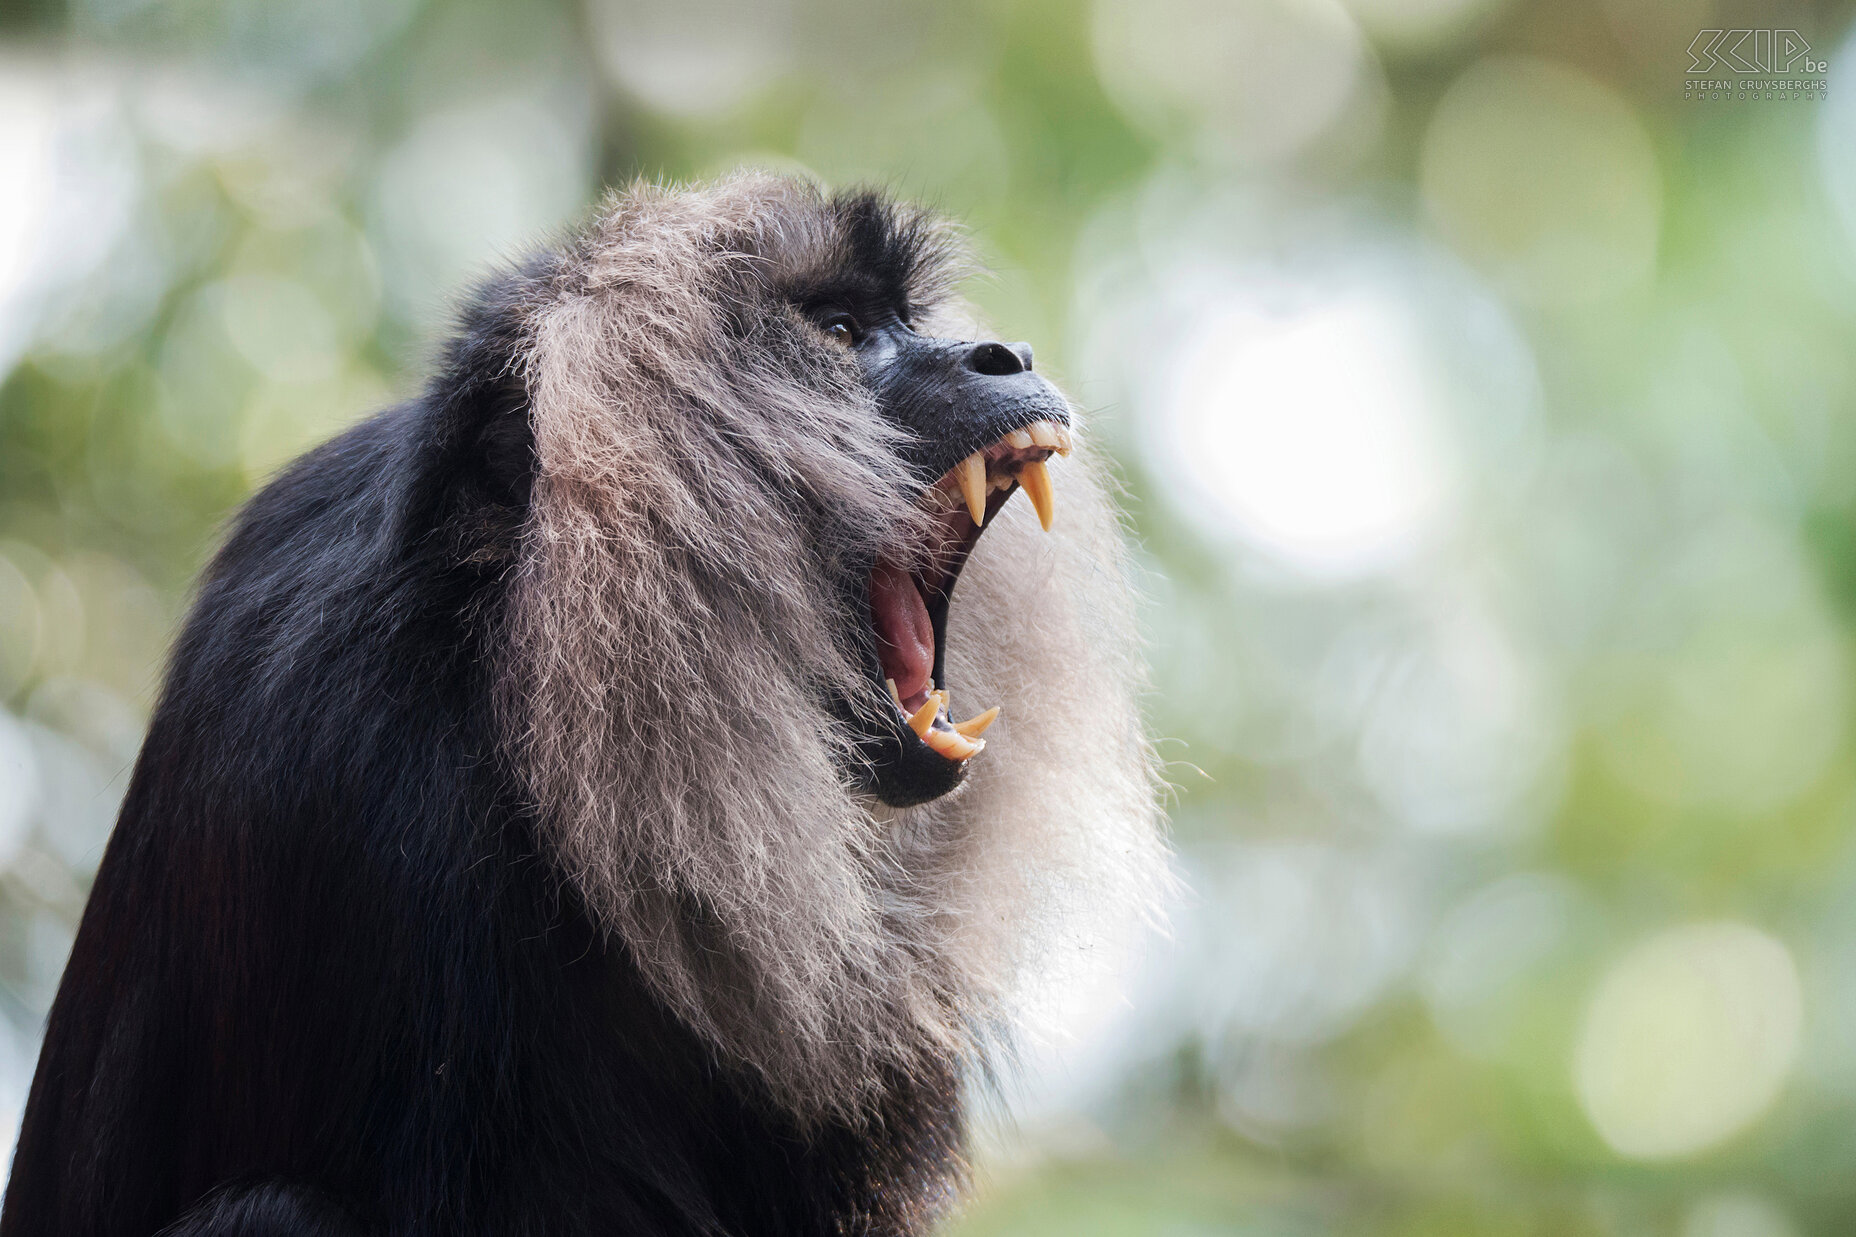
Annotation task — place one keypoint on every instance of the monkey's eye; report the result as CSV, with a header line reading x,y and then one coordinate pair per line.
x,y
842,328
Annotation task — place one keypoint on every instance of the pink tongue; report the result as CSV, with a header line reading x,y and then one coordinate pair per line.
x,y
904,636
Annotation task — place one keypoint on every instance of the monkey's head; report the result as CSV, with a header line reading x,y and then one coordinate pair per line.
x,y
978,425
770,530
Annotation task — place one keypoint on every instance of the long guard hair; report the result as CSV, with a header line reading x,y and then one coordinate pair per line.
x,y
672,626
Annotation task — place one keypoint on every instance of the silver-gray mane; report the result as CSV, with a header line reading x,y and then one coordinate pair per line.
x,y
705,466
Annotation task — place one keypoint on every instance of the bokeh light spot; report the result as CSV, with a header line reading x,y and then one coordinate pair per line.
x,y
1732,688
19,785
469,187
1836,138
1461,732
1311,433
1299,939
19,627
279,326
696,57
1256,80
1688,1039
1419,27
1736,1215
1544,177
69,183
1486,954
26,134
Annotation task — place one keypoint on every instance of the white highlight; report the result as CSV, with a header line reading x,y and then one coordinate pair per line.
x,y
27,130
1313,434
69,183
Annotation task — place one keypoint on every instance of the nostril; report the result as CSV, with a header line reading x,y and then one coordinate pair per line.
x,y
1024,353
996,360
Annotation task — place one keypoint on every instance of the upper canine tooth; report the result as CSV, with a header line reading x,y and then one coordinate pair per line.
x,y
924,716
1044,434
1036,483
1019,439
975,726
971,473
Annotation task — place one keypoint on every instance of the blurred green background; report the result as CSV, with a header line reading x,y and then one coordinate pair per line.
x,y
1487,400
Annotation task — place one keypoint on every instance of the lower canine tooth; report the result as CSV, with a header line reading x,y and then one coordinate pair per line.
x,y
893,693
971,473
1036,483
951,745
975,726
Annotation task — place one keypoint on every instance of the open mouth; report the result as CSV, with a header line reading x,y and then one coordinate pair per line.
x,y
908,609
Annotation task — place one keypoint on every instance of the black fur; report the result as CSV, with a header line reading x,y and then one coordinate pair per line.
x,y
328,983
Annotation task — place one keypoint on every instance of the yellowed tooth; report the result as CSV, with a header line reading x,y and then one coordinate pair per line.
x,y
924,716
971,473
893,693
1019,439
951,745
1036,483
1063,440
975,726
1044,434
